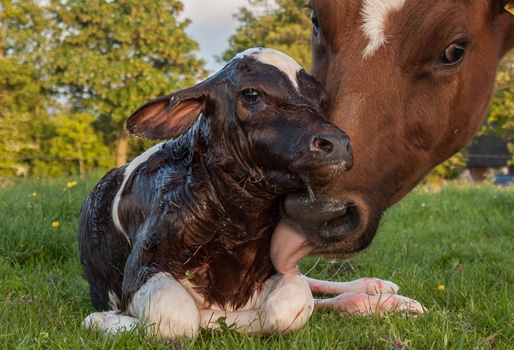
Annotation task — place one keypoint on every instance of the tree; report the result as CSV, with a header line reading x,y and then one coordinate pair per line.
x,y
24,30
447,170
17,89
280,24
22,96
500,119
112,56
75,146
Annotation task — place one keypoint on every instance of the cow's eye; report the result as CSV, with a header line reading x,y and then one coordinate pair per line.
x,y
251,96
314,20
453,54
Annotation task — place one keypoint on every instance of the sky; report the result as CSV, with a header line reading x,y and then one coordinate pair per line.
x,y
212,25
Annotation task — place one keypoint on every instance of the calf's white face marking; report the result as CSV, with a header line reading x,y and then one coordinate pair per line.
x,y
275,58
375,13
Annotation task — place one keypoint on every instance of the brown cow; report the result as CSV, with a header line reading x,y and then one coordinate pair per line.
x,y
410,81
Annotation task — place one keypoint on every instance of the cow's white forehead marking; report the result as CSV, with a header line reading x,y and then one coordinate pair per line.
x,y
374,13
275,58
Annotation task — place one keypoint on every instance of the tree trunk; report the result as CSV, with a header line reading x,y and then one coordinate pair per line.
x,y
122,148
82,168
37,140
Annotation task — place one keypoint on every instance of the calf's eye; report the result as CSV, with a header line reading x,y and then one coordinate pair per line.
x,y
251,96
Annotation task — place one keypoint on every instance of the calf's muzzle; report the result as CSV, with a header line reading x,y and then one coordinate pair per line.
x,y
333,147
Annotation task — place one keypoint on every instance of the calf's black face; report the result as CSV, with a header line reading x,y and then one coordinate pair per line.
x,y
264,114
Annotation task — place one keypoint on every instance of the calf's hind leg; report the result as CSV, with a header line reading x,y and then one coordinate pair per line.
x,y
166,308
161,305
284,305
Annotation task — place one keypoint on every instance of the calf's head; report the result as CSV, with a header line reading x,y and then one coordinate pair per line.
x,y
410,82
261,120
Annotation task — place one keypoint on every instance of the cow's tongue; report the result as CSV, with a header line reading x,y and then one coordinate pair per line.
x,y
288,248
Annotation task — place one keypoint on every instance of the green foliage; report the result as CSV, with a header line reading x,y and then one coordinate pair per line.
x,y
280,24
501,114
448,170
86,66
20,113
75,146
22,97
116,55
500,119
459,238
24,30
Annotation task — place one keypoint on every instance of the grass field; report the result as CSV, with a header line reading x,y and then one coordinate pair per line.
x,y
451,250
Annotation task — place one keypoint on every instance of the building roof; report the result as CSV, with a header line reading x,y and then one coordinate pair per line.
x,y
488,151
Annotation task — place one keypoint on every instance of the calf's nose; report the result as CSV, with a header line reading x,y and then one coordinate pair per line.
x,y
333,148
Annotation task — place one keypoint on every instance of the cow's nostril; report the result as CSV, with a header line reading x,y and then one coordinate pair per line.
x,y
322,144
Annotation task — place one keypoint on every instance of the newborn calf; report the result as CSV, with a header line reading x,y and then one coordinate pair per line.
x,y
181,236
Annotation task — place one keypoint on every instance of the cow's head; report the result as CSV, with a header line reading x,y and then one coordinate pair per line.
x,y
410,81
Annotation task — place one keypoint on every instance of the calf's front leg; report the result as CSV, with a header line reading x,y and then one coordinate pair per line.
x,y
367,285
364,296
366,305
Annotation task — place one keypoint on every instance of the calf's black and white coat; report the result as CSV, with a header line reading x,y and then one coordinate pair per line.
x,y
184,234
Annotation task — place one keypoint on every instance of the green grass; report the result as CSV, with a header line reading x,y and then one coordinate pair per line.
x,y
460,238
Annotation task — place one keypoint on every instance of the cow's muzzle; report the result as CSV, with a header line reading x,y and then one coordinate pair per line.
x,y
336,228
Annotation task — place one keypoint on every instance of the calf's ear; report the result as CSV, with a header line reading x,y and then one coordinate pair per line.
x,y
168,116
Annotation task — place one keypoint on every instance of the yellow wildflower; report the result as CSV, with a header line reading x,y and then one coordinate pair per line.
x,y
55,224
440,287
34,194
72,184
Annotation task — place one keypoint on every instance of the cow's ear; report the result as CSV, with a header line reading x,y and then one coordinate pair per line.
x,y
506,24
169,116
507,5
